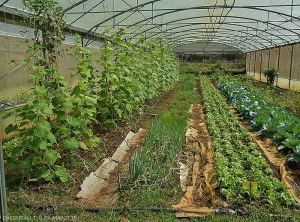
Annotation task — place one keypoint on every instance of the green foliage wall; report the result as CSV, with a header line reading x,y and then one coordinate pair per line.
x,y
105,97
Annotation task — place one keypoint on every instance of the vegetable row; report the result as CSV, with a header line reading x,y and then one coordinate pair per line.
x,y
270,120
151,167
238,161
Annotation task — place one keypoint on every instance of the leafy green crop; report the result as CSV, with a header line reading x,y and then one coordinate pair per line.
x,y
272,121
237,159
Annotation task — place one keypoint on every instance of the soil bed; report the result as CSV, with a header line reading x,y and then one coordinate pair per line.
x,y
195,155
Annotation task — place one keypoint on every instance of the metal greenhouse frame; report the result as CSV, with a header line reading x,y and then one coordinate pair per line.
x,y
266,32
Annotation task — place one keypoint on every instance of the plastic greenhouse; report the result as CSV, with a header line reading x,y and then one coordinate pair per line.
x,y
203,94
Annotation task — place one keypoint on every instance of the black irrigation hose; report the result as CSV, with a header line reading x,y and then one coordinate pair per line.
x,y
122,209
216,211
157,209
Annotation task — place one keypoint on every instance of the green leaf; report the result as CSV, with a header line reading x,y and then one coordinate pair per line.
x,y
43,129
90,100
76,90
291,143
110,124
10,128
114,79
40,104
51,138
50,156
68,104
48,111
94,142
13,62
61,173
250,186
82,145
24,123
16,151
71,143
297,150
26,164
36,160
42,172
40,90
87,133
127,71
51,177
74,122
11,166
43,145
295,158
64,132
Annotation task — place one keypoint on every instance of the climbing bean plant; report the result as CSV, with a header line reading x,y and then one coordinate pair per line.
x,y
48,132
56,122
132,74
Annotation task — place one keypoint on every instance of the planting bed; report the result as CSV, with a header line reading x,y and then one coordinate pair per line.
x,y
238,160
225,172
62,196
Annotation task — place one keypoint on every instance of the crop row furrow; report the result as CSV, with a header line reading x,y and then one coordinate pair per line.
x,y
238,160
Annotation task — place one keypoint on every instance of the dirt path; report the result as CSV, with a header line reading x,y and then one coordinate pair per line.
x,y
196,163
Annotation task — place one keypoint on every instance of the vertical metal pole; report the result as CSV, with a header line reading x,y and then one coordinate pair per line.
x,y
261,60
278,62
152,12
269,59
114,19
3,209
82,45
291,66
255,62
249,63
182,53
292,10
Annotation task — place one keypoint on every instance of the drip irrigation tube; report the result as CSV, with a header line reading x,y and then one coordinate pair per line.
x,y
122,209
3,207
216,211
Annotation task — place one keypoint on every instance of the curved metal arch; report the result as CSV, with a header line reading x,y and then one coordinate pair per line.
x,y
2,4
242,51
174,42
217,37
227,24
245,26
240,17
229,36
100,2
121,13
239,31
243,48
74,5
200,23
204,7
222,41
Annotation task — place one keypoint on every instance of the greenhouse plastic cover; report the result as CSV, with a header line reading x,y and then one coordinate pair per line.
x,y
245,25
